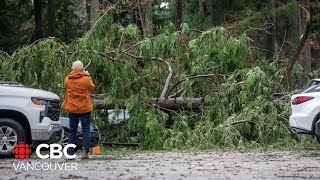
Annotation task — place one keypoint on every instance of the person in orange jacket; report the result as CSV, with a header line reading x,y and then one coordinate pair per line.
x,y
77,102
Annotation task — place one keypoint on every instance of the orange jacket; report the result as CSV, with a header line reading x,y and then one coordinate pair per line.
x,y
77,98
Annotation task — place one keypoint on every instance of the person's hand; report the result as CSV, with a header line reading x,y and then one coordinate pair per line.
x,y
86,73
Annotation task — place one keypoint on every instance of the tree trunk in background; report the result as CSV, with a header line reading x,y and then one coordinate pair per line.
x,y
271,36
228,4
305,55
94,6
88,9
37,18
2,4
148,23
201,7
81,13
284,34
178,16
214,14
51,17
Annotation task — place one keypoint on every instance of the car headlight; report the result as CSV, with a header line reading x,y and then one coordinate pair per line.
x,y
39,102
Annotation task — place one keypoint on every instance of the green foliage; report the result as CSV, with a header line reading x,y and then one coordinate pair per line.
x,y
243,111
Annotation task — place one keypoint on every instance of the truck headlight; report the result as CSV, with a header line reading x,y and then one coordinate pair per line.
x,y
38,101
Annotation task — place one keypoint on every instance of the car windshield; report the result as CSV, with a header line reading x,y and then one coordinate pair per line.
x,y
314,86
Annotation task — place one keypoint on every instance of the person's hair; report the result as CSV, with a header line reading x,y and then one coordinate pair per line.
x,y
77,65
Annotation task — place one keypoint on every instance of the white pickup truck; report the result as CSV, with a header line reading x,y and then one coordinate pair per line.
x,y
28,115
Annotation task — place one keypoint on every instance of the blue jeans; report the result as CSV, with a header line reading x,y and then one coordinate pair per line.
x,y
73,124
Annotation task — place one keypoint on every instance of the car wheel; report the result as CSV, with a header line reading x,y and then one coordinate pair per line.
x,y
317,130
318,138
65,139
11,133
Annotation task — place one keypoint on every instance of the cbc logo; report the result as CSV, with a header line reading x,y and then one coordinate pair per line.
x,y
56,151
21,151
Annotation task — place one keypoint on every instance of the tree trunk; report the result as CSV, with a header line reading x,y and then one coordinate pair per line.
x,y
201,7
148,23
141,17
271,36
168,103
37,18
81,13
51,17
305,55
2,4
88,9
94,6
214,14
178,16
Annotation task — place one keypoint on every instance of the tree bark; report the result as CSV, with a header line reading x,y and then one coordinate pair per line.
x,y
167,103
214,14
88,10
38,19
305,56
178,16
141,18
2,4
51,17
81,12
201,7
94,6
148,23
271,36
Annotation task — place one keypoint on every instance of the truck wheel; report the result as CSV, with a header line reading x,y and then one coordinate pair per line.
x,y
11,133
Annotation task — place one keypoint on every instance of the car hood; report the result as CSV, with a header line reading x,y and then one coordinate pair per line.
x,y
27,92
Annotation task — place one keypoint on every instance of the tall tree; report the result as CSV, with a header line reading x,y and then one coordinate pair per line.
x,y
215,13
178,16
51,18
271,37
201,6
305,55
148,23
2,4
38,18
94,6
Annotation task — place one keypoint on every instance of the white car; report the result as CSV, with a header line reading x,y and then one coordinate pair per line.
x,y
28,115
305,117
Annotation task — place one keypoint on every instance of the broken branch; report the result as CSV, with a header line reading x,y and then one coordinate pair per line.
x,y
166,86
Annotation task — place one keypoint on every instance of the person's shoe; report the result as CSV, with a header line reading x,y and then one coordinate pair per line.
x,y
85,155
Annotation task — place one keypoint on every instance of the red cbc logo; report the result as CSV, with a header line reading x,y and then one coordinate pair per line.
x,y
21,151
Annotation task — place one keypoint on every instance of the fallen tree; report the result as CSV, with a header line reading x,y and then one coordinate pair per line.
x,y
195,104
211,72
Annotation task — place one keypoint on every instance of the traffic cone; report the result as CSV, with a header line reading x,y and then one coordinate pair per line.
x,y
96,150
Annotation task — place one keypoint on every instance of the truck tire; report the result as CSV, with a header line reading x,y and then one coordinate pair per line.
x,y
11,133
